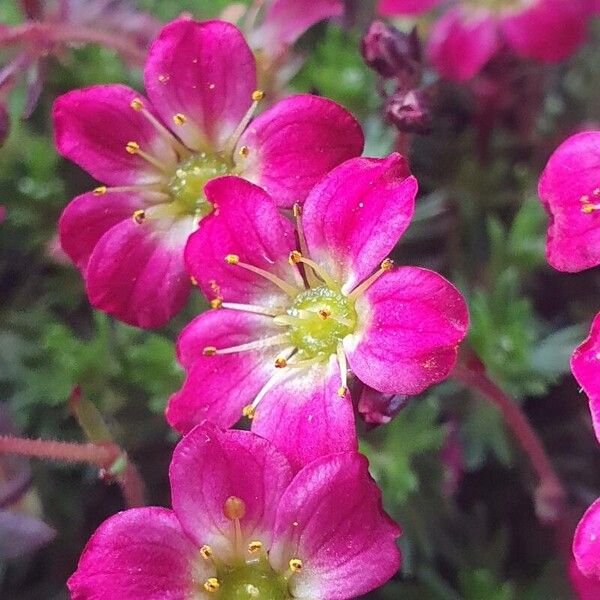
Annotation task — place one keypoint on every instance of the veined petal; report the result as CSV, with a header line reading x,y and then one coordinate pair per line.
x,y
136,271
294,144
218,387
389,8
354,217
462,41
411,321
331,519
205,72
586,542
245,223
209,466
305,416
140,554
93,126
585,364
569,183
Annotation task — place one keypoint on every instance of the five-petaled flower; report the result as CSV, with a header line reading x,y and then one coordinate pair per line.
x,y
245,526
585,364
470,32
292,315
570,191
128,240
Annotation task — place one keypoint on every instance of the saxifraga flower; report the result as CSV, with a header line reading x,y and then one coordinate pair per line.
x,y
292,315
157,154
244,526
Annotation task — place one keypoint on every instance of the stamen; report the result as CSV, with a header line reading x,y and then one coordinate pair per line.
x,y
250,410
134,148
244,151
231,143
296,257
206,552
295,565
259,310
139,216
385,266
343,363
290,290
302,364
150,187
193,281
587,207
280,362
179,119
254,547
274,340
212,584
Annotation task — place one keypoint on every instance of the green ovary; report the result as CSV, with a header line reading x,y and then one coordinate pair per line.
x,y
322,318
186,186
252,582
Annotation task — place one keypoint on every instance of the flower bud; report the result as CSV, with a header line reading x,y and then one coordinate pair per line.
x,y
410,111
390,52
4,123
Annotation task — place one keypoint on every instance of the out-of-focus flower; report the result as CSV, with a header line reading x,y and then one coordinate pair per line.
x,y
570,191
291,318
244,526
157,155
377,408
410,111
469,33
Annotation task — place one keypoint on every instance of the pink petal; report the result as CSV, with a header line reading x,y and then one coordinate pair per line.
x,y
92,127
209,466
331,518
585,364
218,387
354,217
586,588
88,217
206,72
410,324
572,175
246,222
586,542
294,144
462,42
286,20
139,554
136,271
305,417
389,8
548,30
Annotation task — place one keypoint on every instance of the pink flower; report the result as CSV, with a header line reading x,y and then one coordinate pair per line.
x,y
291,317
244,526
570,191
586,588
469,33
128,239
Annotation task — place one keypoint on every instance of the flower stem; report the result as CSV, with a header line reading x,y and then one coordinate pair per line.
x,y
550,496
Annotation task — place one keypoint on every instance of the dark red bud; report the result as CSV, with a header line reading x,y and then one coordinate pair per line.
x,y
410,112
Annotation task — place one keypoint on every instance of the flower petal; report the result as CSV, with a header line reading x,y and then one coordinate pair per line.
x,y
136,271
570,180
205,72
586,542
89,216
140,554
585,364
331,519
548,30
93,126
410,324
354,217
218,387
389,8
294,144
209,466
246,223
462,42
304,415
585,588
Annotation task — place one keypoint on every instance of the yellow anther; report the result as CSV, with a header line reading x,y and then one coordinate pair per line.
x,y
232,259
387,264
193,280
179,119
216,303
136,104
209,351
99,190
234,508
255,546
297,210
139,216
295,565
257,95
295,257
249,411
324,313
132,147
244,151
206,552
280,362
588,208
342,391
212,584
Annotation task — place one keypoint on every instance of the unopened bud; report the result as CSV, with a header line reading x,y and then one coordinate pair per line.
x,y
410,112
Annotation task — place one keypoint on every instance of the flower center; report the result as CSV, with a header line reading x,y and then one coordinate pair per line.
x,y
252,582
322,317
186,186
495,5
